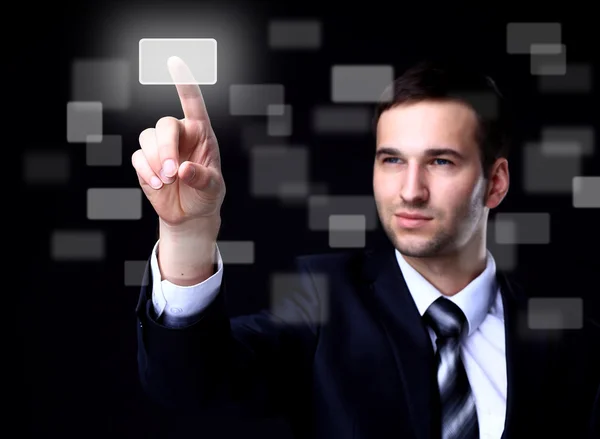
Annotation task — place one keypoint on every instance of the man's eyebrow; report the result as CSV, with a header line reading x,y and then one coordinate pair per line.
x,y
430,152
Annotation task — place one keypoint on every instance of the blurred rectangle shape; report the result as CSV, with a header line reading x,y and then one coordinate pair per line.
x,y
586,192
548,174
582,136
102,80
199,54
577,79
114,204
256,99
546,62
321,207
77,245
361,83
521,36
279,120
106,153
237,252
272,167
134,273
522,228
295,34
84,122
555,313
340,120
46,167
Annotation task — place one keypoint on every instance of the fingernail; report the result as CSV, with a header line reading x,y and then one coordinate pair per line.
x,y
155,182
191,174
169,168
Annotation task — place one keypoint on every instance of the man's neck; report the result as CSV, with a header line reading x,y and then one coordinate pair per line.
x,y
451,273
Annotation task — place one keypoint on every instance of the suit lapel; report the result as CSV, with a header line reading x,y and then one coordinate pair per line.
x,y
527,357
407,337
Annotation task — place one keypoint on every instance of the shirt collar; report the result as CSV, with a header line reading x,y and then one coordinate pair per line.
x,y
474,300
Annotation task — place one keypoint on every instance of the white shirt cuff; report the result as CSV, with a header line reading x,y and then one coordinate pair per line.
x,y
183,301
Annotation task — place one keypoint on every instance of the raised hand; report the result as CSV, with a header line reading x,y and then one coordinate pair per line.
x,y
179,164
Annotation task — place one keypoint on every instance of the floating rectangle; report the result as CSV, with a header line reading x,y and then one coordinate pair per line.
x,y
321,207
339,120
522,228
199,54
546,173
582,136
586,192
361,83
273,167
295,34
46,167
576,80
106,153
84,122
102,80
548,60
114,203
256,99
134,273
236,252
280,120
521,36
77,245
555,313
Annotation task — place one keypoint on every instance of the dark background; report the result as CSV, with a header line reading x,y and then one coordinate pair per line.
x,y
78,342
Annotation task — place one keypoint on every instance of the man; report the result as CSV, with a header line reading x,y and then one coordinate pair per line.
x,y
422,339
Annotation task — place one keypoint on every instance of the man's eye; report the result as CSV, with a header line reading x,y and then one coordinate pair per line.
x,y
390,159
443,162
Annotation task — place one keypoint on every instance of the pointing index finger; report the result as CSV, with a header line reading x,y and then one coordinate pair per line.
x,y
189,92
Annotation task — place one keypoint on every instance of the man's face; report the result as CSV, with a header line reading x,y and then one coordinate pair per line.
x,y
428,163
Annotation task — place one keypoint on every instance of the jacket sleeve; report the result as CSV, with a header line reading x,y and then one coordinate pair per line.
x,y
252,363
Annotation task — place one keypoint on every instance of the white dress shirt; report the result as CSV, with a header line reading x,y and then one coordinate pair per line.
x,y
483,348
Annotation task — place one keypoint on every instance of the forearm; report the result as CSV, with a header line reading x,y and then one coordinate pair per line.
x,y
186,254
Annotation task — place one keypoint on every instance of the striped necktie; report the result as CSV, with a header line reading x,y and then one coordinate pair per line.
x,y
459,416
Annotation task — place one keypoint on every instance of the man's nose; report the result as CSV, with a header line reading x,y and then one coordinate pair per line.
x,y
414,186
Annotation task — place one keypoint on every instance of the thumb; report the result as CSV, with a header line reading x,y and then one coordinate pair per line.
x,y
199,177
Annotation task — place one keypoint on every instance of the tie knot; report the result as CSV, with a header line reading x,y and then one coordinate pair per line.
x,y
445,318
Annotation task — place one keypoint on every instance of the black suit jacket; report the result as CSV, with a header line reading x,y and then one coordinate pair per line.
x,y
344,354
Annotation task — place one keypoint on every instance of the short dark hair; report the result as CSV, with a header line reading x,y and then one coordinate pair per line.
x,y
454,80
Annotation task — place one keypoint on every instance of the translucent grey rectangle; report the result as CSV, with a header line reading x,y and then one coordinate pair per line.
x,y
286,289
361,83
555,313
134,273
321,207
84,122
549,64
279,120
522,228
106,153
505,255
255,133
547,174
272,167
102,80
586,192
486,104
520,36
295,34
114,203
46,167
576,80
74,245
347,231
582,136
255,99
199,54
336,120
236,252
